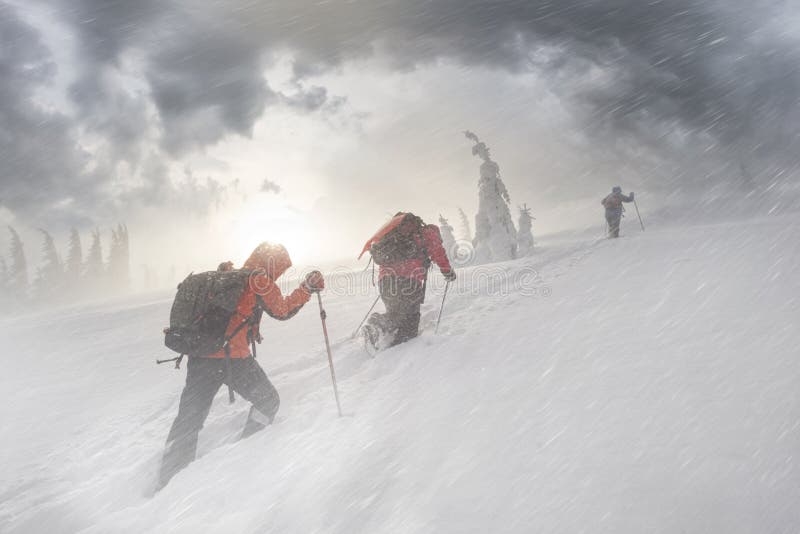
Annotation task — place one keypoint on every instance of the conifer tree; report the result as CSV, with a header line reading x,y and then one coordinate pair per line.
x,y
18,272
495,235
525,233
74,264
466,230
448,239
93,272
119,258
49,275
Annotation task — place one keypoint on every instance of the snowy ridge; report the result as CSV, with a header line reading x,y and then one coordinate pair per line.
x,y
647,384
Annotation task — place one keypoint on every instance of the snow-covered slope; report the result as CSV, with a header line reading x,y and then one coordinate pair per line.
x,y
647,384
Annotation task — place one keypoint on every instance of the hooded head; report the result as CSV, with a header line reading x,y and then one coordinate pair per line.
x,y
274,260
616,189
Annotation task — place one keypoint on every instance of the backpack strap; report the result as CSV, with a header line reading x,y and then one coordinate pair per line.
x,y
238,329
249,321
227,347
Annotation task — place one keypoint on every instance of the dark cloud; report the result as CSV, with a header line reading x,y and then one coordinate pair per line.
x,y
207,80
313,99
709,66
41,166
107,27
708,78
718,70
105,30
204,71
46,176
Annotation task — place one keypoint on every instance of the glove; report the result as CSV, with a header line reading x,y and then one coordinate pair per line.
x,y
314,282
450,275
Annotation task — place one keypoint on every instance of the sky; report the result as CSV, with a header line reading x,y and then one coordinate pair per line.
x,y
208,127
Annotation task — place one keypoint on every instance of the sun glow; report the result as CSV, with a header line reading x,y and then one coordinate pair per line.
x,y
263,219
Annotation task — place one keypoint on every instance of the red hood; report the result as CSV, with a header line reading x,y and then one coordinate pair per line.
x,y
274,260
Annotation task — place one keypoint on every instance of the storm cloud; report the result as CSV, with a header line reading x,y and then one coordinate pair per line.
x,y
39,159
673,77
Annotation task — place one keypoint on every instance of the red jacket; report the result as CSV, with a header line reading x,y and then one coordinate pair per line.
x,y
431,240
268,263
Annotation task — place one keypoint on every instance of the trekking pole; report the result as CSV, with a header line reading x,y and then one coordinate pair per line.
x,y
446,287
323,316
637,213
364,320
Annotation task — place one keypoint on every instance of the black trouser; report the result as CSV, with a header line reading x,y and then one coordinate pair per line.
x,y
204,377
613,218
402,298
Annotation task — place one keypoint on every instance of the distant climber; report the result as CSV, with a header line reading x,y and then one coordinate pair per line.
x,y
614,209
403,248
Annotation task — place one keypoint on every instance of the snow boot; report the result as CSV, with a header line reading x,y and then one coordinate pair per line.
x,y
377,336
371,339
256,422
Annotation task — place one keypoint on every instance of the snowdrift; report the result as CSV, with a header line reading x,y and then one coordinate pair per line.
x,y
646,384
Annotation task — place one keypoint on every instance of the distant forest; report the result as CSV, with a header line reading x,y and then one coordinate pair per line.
x,y
56,279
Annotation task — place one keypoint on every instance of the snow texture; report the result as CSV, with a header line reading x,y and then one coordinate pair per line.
x,y
645,384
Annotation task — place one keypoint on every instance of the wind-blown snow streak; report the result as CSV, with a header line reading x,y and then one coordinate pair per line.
x,y
654,390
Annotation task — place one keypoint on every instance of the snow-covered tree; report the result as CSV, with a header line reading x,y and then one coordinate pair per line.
x,y
74,264
18,272
448,239
94,273
495,235
466,230
525,233
119,258
49,275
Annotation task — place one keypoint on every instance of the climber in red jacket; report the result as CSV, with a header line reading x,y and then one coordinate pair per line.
x,y
404,249
205,375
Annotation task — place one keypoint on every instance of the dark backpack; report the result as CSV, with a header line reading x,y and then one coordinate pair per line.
x,y
612,202
203,309
402,243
